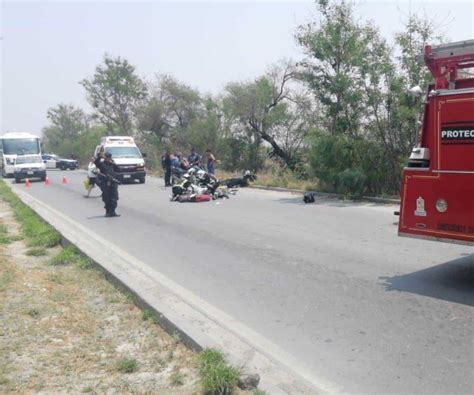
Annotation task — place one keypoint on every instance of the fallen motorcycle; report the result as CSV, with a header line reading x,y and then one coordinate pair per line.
x,y
197,182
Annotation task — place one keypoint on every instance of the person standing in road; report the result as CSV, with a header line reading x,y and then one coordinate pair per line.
x,y
194,158
108,184
210,162
91,176
166,164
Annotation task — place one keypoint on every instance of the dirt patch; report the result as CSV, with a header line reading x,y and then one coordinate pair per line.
x,y
64,329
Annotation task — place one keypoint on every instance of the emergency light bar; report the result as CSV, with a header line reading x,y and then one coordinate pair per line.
x,y
118,140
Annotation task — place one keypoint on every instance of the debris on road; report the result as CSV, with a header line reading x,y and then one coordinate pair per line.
x,y
198,186
309,197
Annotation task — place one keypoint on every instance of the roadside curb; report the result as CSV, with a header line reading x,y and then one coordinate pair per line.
x,y
328,195
199,324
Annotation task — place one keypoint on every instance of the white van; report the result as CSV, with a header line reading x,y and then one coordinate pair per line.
x,y
126,155
14,144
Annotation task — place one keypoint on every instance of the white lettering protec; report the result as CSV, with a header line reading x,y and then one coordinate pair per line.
x,y
459,134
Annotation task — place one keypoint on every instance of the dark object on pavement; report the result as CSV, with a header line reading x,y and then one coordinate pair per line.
x,y
240,181
309,197
249,382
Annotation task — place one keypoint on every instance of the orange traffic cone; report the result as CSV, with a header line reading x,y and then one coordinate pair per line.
x,y
27,183
64,180
47,182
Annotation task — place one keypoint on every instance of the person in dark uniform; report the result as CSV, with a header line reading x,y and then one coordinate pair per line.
x,y
166,163
107,183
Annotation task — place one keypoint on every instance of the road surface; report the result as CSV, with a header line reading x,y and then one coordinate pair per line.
x,y
330,283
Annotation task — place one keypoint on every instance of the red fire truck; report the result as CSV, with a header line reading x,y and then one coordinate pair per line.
x,y
437,193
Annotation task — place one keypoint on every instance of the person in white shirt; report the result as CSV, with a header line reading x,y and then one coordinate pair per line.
x,y
92,172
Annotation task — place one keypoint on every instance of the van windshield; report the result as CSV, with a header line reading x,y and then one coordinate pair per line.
x,y
124,152
21,146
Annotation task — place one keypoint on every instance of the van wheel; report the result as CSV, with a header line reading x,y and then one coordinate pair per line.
x,y
141,180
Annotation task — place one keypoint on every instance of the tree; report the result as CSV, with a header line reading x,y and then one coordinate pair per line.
x,y
334,48
114,91
351,71
165,119
263,110
71,121
68,123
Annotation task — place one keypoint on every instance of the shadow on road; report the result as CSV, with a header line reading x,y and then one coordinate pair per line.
x,y
452,281
328,201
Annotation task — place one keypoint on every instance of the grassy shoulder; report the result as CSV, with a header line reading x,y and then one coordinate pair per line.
x,y
65,328
34,230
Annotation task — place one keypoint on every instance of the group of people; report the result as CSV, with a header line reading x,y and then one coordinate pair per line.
x,y
180,164
101,172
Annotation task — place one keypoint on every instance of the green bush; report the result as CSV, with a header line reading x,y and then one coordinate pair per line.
x,y
217,376
351,182
352,166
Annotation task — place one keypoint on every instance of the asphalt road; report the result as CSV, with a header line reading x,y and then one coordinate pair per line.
x,y
330,283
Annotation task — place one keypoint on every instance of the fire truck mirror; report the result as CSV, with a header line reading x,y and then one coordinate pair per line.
x,y
420,157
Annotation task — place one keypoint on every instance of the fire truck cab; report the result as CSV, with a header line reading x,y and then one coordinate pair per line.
x,y
437,192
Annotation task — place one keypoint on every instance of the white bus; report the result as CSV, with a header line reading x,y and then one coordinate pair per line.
x,y
13,144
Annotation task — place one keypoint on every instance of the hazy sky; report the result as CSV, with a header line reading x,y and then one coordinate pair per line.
x,y
47,47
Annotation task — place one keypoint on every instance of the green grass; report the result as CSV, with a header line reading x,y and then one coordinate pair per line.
x,y
127,365
37,232
84,262
177,378
217,376
36,251
70,255
6,277
65,257
147,314
6,239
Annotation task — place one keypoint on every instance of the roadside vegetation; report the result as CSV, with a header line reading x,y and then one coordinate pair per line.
x,y
340,120
65,328
37,234
217,376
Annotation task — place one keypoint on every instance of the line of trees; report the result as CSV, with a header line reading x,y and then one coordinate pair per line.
x,y
343,114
